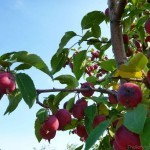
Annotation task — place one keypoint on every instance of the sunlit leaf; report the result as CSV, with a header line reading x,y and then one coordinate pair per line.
x,y
125,74
108,65
136,63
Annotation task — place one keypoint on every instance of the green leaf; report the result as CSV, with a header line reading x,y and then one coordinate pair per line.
x,y
105,143
92,79
14,99
49,101
146,134
65,39
134,119
96,31
92,18
136,63
90,113
79,64
79,148
22,67
87,35
58,60
105,47
42,115
134,1
72,125
70,103
4,63
6,55
108,65
37,127
100,99
71,81
141,33
59,97
33,60
141,21
146,6
96,133
27,88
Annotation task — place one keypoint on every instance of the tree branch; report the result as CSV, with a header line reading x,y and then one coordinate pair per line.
x,y
101,90
116,9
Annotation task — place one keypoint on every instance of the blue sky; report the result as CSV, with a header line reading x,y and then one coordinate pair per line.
x,y
37,26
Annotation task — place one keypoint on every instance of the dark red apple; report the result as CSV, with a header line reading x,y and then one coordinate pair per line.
x,y
89,92
82,102
51,123
78,111
112,99
47,134
147,26
7,83
126,139
137,44
107,11
115,122
98,119
125,39
81,131
116,146
64,118
129,94
129,51
147,39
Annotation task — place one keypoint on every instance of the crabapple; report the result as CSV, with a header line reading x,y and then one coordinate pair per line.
x,y
112,99
129,94
147,26
129,51
147,39
7,83
81,131
125,39
107,11
78,111
98,119
82,102
47,134
64,118
126,139
89,92
51,123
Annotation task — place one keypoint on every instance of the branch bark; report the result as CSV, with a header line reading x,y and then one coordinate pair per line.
x,y
116,9
101,90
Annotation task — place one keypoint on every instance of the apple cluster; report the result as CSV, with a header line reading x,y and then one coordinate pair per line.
x,y
53,123
63,117
132,43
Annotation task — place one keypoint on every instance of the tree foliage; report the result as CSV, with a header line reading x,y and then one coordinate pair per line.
x,y
89,62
